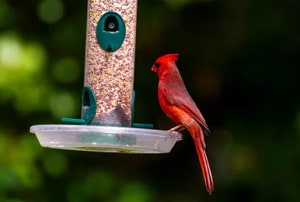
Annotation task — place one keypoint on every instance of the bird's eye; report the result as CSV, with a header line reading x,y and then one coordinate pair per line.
x,y
157,65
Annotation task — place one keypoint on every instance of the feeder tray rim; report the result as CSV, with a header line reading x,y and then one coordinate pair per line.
x,y
105,138
113,129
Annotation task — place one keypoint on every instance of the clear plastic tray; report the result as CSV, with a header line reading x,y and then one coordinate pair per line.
x,y
105,138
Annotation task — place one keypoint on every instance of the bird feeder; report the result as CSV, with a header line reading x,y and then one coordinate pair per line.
x,y
106,123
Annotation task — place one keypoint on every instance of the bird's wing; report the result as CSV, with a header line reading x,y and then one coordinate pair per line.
x,y
184,101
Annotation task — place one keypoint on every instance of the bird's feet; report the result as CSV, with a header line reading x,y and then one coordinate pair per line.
x,y
177,128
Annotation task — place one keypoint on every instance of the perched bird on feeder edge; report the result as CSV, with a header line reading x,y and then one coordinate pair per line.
x,y
179,106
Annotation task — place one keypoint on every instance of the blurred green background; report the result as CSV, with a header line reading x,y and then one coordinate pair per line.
x,y
240,61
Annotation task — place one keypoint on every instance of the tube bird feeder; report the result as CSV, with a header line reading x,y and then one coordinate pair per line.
x,y
106,123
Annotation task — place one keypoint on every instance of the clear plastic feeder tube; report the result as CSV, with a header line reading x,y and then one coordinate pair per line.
x,y
110,53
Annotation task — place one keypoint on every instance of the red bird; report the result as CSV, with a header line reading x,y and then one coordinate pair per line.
x,y
179,106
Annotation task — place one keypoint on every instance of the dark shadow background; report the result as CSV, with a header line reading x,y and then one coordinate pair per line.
x,y
239,60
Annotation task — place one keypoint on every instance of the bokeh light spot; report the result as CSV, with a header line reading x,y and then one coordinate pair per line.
x,y
10,51
50,11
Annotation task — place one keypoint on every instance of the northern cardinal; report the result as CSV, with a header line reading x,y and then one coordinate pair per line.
x,y
178,105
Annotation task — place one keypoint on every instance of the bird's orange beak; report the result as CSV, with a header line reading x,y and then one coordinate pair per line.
x,y
154,68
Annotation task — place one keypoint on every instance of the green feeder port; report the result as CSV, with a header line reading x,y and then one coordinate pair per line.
x,y
110,31
106,123
88,108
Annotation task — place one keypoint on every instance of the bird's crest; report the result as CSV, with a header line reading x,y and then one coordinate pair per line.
x,y
172,57
168,57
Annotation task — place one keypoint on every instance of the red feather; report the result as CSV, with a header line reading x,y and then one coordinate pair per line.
x,y
178,105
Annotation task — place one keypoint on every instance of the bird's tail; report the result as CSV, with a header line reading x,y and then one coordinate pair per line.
x,y
198,136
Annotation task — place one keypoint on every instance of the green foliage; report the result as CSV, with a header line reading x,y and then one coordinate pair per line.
x,y
239,60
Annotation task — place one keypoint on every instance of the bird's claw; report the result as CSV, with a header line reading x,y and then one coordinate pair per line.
x,y
177,128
